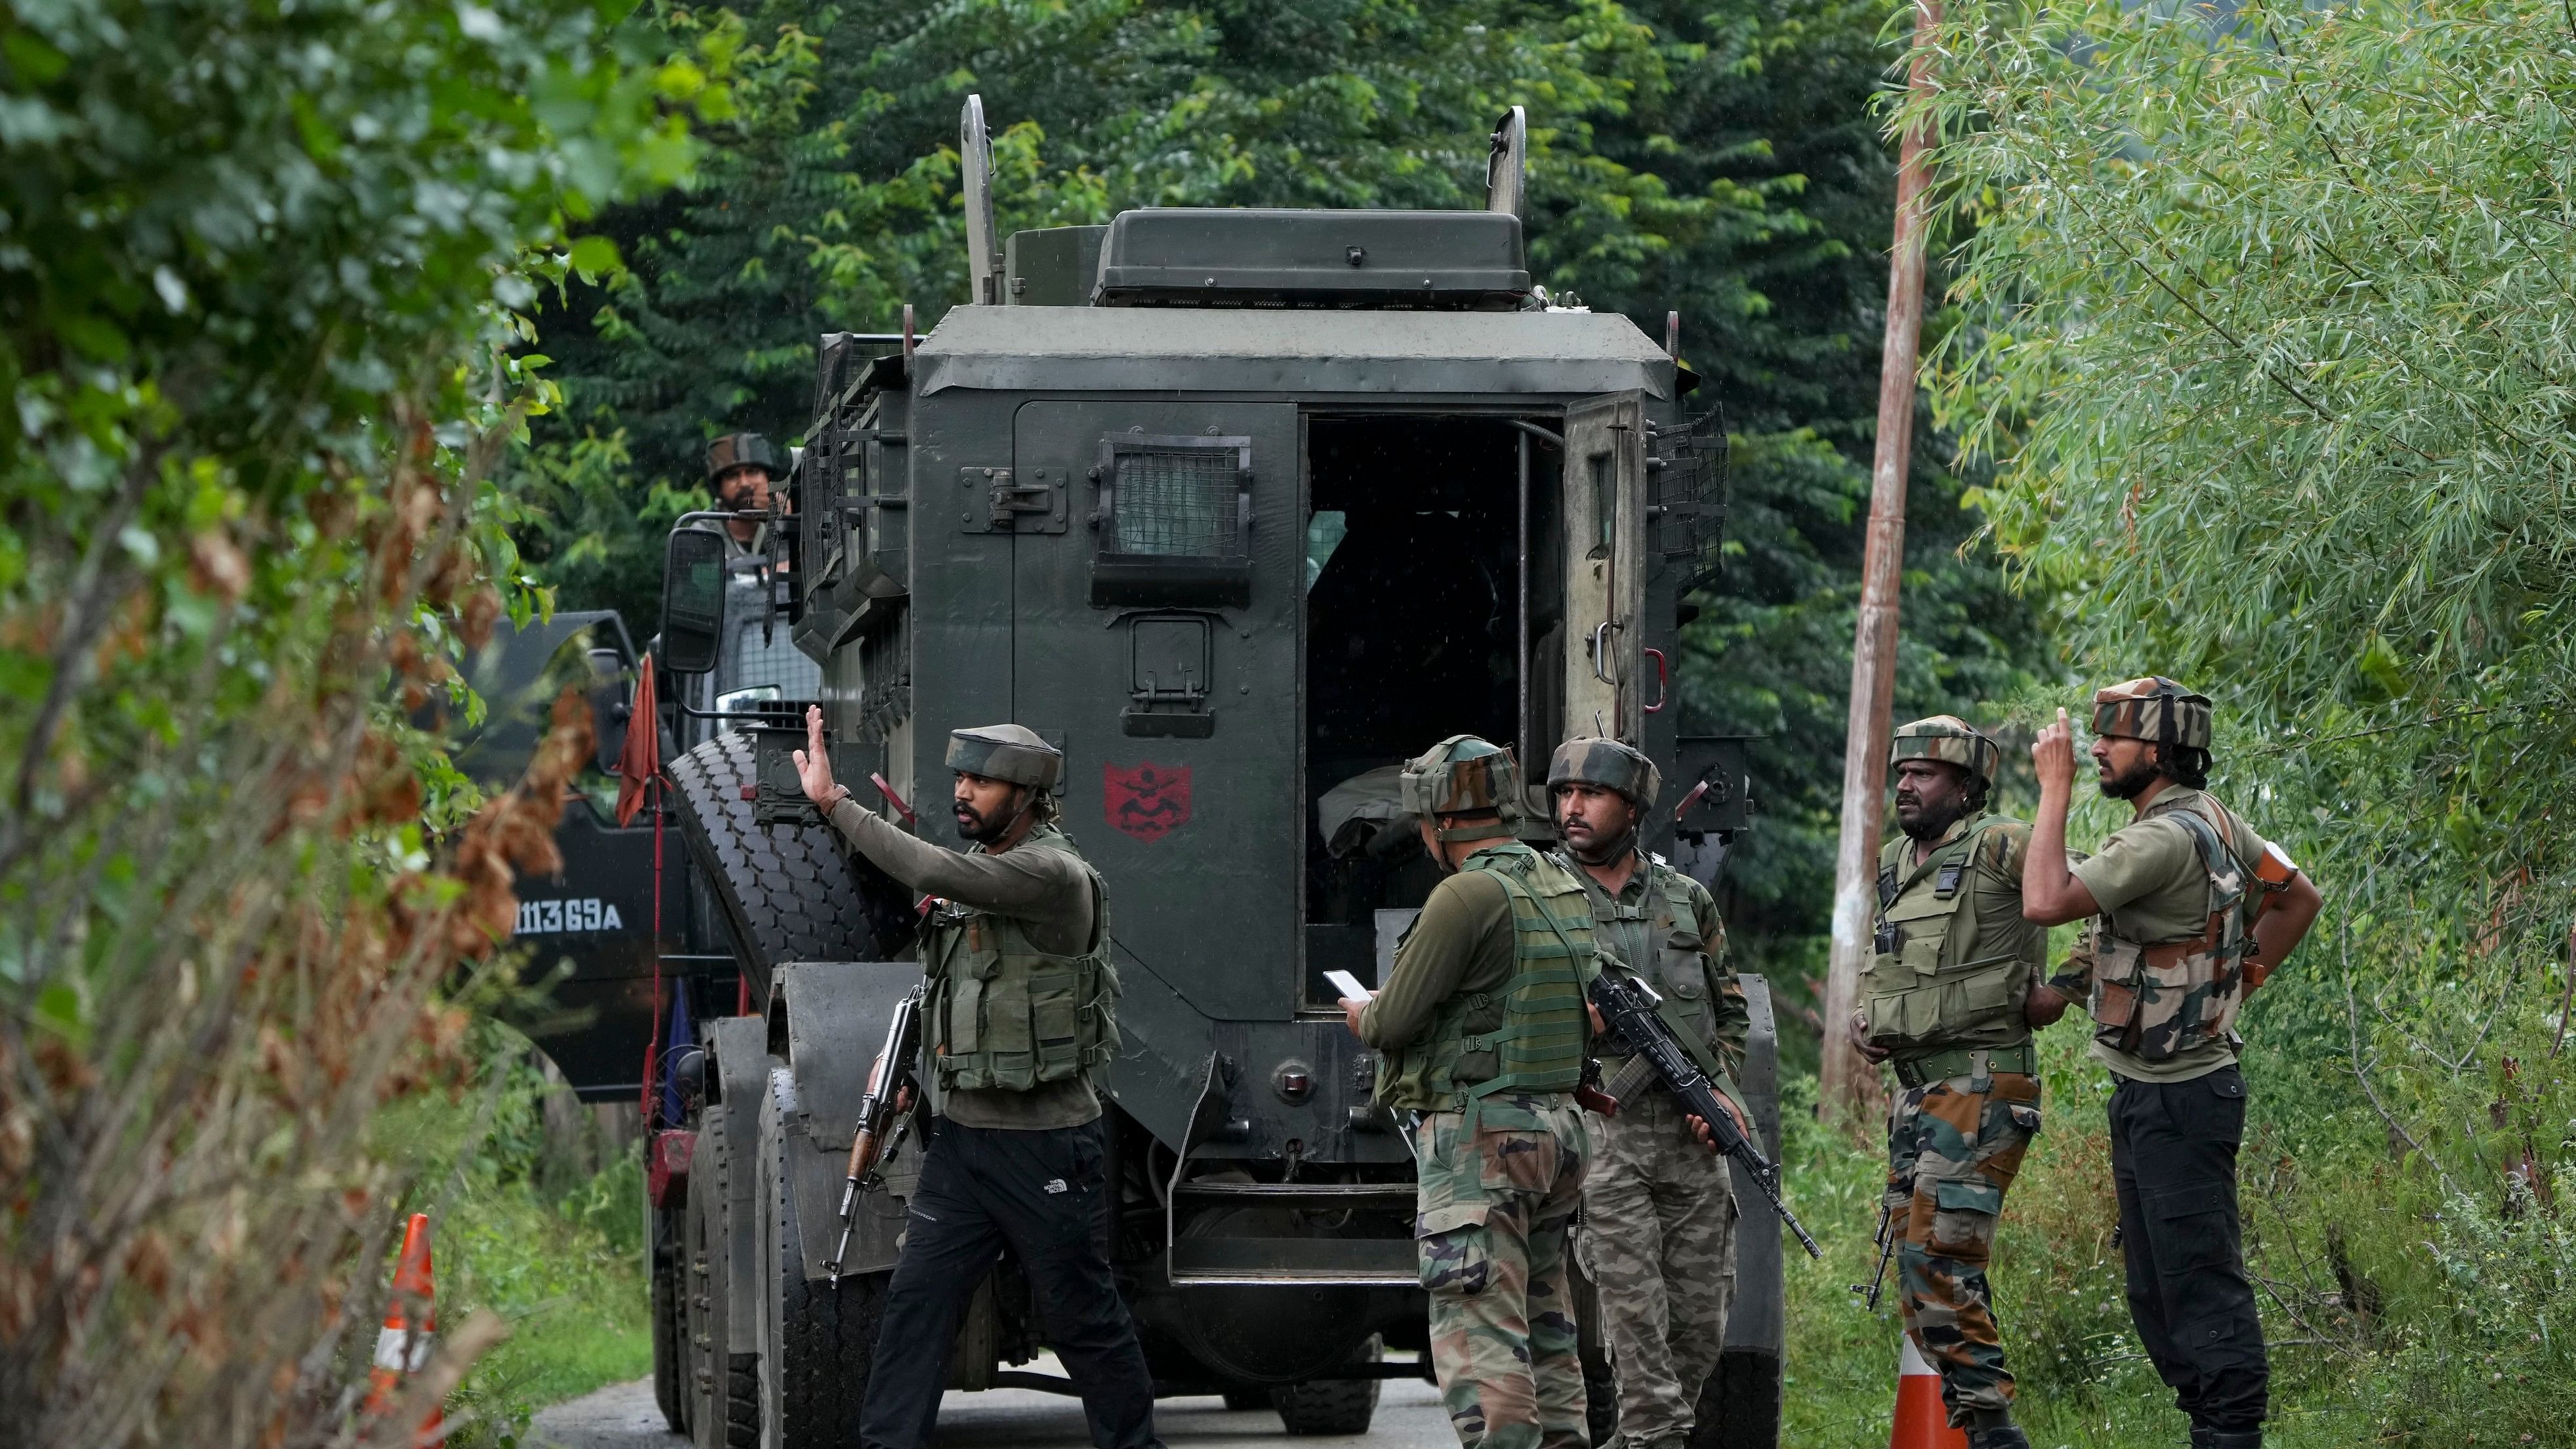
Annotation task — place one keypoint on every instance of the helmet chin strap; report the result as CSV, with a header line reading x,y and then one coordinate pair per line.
x,y
1603,855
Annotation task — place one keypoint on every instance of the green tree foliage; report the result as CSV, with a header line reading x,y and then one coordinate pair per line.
x,y
2269,340
1719,162
258,266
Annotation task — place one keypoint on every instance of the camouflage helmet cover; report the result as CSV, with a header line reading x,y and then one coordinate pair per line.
x,y
740,450
1592,760
1949,739
1462,775
1005,752
2156,709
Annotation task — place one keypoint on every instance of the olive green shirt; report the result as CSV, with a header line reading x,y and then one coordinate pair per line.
x,y
1462,942
1047,891
2148,877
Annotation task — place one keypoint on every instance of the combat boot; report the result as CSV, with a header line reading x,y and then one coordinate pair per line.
x,y
1993,1429
2227,1439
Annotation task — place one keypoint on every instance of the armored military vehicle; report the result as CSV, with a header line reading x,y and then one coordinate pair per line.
x,y
1239,508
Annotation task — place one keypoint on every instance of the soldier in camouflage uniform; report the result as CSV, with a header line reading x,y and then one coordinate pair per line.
x,y
2192,910
1483,1025
1944,998
1658,1235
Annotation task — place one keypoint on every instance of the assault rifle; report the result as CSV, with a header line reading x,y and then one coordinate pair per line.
x,y
1886,1243
881,1128
1628,1008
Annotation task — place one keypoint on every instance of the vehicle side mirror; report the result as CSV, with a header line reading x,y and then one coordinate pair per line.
x,y
610,705
693,600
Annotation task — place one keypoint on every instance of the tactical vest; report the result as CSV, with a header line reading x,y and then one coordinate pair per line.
x,y
1005,1014
1920,991
1529,1037
1674,960
2158,1002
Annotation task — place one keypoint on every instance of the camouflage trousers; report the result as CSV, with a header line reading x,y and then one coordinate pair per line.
x,y
1658,1242
1952,1154
1491,1234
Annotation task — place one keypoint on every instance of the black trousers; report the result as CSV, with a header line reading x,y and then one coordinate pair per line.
x,y
1040,1192
2173,1155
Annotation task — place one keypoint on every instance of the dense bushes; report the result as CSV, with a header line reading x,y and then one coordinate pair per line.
x,y
2265,335
258,268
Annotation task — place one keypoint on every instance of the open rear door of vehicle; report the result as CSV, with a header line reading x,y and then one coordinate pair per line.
x,y
1605,566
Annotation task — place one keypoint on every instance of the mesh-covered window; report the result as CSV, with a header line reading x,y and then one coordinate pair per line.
x,y
1174,520
1177,504
775,660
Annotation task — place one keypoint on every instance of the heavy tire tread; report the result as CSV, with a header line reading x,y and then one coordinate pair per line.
x,y
1601,1398
742,1401
670,1335
789,892
1330,1406
706,1244
823,1338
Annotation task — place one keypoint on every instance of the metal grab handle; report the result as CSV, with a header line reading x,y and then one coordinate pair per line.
x,y
1599,637
1663,682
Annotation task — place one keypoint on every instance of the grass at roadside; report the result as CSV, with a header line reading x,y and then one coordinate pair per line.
x,y
2084,1382
517,1229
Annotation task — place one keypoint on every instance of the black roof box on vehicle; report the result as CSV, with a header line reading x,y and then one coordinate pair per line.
x,y
1218,257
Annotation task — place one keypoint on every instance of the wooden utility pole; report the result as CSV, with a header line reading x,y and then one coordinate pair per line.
x,y
1851,1085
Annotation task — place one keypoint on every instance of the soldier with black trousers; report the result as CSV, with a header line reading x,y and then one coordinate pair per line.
x,y
1018,1016
2191,910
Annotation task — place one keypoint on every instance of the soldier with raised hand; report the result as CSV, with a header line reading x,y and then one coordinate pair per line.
x,y
1016,954
2193,910
1482,1026
1945,999
1658,1210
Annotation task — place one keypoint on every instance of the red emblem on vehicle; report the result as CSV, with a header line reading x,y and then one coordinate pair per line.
x,y
1149,801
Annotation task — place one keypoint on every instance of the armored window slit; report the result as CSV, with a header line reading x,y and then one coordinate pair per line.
x,y
1174,520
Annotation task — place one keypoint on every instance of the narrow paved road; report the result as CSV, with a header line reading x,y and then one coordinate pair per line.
x,y
622,1416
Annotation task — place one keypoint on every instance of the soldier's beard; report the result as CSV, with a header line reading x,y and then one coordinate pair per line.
x,y
1929,822
975,828
2132,782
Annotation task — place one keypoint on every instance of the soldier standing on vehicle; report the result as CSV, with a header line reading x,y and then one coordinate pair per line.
x,y
1658,1211
2193,911
1017,943
1945,997
1482,1024
740,468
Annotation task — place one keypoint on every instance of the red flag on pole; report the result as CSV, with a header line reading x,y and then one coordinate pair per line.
x,y
641,759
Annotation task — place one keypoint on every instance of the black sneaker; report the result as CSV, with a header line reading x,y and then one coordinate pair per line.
x,y
1997,1436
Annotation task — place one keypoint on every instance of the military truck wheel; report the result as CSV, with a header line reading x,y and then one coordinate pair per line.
x,y
696,1281
789,891
670,1335
815,1342
712,1410
1739,1406
1600,1397
1331,1406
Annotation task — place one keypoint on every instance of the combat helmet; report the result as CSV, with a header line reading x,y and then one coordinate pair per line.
x,y
740,450
1006,752
1463,775
1593,760
1952,741
2154,709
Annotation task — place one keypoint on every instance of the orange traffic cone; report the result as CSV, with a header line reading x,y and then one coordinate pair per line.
x,y
1921,1422
401,1346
